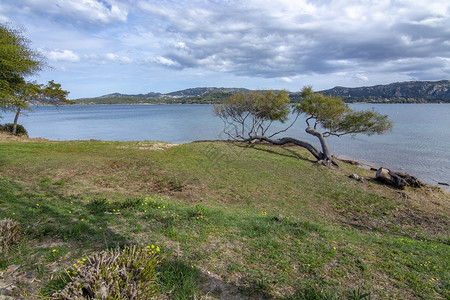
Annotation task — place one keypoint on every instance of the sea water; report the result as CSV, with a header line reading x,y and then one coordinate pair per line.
x,y
418,144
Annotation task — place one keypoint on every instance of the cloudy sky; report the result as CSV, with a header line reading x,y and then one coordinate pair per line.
x,y
98,47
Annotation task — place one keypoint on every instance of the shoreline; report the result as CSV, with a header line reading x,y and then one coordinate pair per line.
x,y
4,137
372,167
360,163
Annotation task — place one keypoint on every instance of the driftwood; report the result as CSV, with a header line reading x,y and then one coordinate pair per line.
x,y
396,179
357,177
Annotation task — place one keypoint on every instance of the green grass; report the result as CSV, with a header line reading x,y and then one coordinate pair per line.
x,y
265,220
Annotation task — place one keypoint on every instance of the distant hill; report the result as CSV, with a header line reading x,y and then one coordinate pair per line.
x,y
400,92
203,95
407,92
200,91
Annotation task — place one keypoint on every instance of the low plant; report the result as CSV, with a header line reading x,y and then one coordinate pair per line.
x,y
9,234
313,294
198,211
179,279
359,294
20,130
114,274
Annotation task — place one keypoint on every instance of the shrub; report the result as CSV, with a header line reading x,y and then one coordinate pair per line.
x,y
20,130
198,212
114,274
9,234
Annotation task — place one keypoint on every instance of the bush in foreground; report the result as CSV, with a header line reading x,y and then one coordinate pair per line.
x,y
9,234
114,274
20,130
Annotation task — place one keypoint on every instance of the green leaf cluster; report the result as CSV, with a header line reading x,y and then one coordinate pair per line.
x,y
264,106
17,61
33,93
335,117
253,113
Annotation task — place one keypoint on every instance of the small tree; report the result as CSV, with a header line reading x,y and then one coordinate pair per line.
x,y
32,93
325,116
251,114
17,60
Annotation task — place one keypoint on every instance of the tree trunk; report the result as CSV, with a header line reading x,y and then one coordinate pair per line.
x,y
286,140
396,179
325,155
16,118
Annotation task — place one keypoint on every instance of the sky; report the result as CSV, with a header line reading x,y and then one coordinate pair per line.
x,y
97,47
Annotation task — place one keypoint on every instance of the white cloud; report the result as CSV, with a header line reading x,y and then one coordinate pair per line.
x,y
282,39
118,58
271,41
91,11
287,79
164,61
361,77
62,55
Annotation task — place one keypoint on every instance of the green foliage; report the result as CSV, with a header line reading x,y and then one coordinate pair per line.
x,y
316,294
325,109
33,93
180,278
335,117
8,127
248,117
359,294
114,274
55,254
313,294
17,60
49,94
252,113
198,212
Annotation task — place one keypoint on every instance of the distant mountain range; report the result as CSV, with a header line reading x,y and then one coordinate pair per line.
x,y
411,91
400,92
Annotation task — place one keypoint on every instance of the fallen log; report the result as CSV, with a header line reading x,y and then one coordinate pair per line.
x,y
396,179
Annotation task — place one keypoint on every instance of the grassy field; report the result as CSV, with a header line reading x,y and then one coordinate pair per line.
x,y
231,220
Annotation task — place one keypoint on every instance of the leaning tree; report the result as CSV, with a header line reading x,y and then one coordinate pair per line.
x,y
247,117
31,93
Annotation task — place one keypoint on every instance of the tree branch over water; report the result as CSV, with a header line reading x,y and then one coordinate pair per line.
x,y
248,117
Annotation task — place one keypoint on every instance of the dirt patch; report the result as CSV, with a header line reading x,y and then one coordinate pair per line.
x,y
148,146
418,214
16,283
215,288
405,221
7,137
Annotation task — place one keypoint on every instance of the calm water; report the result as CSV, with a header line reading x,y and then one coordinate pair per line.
x,y
419,143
